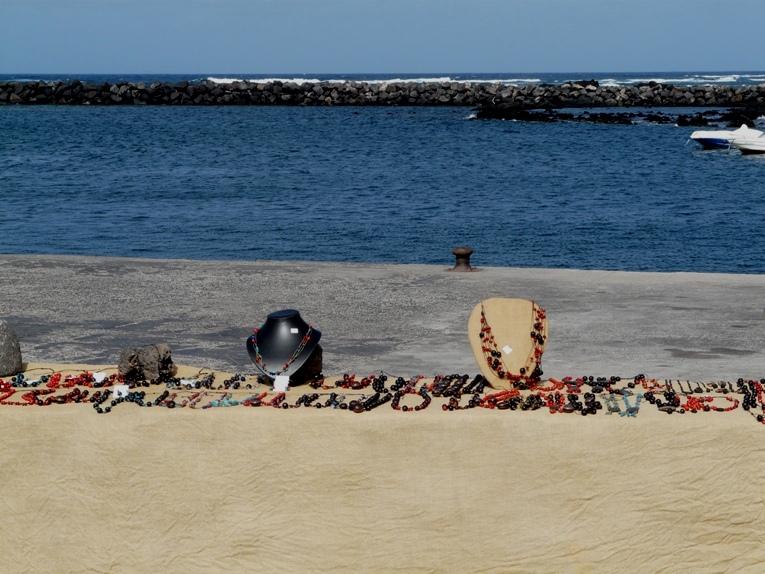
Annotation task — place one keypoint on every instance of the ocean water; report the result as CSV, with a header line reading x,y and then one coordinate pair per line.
x,y
373,184
739,78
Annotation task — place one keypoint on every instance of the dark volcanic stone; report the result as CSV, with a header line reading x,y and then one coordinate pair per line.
x,y
605,118
658,119
512,112
694,120
501,101
150,363
735,117
10,351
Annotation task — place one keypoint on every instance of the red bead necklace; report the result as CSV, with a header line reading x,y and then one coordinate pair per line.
x,y
493,355
350,382
490,401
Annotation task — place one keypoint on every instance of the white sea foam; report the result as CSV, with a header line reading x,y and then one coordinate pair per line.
x,y
424,80
696,79
659,80
722,79
613,82
510,81
407,80
731,77
263,80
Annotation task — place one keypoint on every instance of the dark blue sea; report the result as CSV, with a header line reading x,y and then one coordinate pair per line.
x,y
374,184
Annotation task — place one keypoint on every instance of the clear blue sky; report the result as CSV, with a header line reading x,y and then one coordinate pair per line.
x,y
315,36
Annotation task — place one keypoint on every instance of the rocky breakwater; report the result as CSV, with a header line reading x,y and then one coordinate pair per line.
x,y
590,94
487,96
245,93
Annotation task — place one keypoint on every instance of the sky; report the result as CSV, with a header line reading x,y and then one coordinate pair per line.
x,y
379,36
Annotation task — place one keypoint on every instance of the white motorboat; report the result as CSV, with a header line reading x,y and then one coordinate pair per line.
x,y
750,145
722,139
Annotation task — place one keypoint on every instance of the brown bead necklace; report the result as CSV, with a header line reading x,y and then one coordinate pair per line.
x,y
493,356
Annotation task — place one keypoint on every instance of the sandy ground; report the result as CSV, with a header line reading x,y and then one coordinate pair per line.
x,y
405,319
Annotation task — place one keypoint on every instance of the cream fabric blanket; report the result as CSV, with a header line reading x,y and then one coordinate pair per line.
x,y
306,490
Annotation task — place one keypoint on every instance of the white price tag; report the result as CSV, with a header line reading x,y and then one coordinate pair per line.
x,y
507,349
188,382
99,377
294,330
120,391
281,383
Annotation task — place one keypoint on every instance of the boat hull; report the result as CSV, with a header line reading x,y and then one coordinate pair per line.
x,y
751,150
750,146
712,143
722,139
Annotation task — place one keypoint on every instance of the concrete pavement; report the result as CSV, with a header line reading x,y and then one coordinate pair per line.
x,y
405,319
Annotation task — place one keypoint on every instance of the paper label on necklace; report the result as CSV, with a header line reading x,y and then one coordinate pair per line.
x,y
294,330
507,349
281,383
188,382
120,391
99,377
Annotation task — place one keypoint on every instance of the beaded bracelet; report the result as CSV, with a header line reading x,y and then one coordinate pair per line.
x,y
410,390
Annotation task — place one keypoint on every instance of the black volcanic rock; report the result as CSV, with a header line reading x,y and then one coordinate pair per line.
x,y
697,120
494,100
735,117
10,351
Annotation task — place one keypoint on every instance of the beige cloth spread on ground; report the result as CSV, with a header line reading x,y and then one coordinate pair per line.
x,y
305,490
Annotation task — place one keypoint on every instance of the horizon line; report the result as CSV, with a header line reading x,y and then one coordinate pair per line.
x,y
283,73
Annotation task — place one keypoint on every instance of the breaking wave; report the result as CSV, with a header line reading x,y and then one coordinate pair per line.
x,y
422,80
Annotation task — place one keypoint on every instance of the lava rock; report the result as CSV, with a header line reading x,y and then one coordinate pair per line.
x,y
605,118
150,363
696,120
10,351
572,94
658,118
511,112
735,117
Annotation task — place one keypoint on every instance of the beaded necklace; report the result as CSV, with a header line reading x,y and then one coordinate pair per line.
x,y
411,390
273,374
568,395
226,400
493,355
752,392
669,405
696,404
350,382
631,410
611,405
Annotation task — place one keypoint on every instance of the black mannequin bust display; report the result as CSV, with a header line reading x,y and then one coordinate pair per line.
x,y
311,368
286,345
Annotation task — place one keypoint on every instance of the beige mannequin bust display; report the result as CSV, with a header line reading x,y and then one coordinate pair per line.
x,y
500,333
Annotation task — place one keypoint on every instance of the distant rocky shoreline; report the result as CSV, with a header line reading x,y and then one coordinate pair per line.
x,y
586,93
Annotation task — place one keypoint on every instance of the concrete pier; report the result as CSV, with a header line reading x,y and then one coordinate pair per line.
x,y
405,319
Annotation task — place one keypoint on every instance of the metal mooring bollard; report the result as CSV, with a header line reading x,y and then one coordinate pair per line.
x,y
462,259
